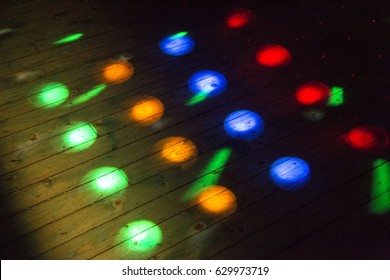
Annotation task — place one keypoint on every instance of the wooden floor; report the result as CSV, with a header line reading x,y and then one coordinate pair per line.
x,y
50,208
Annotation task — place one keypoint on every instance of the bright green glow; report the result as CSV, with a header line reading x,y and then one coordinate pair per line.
x,y
336,97
142,235
107,178
80,137
197,98
88,95
179,35
380,193
210,174
68,39
52,95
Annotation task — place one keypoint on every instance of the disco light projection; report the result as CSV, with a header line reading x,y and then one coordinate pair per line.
x,y
207,83
380,194
197,98
368,138
146,111
178,44
210,174
81,137
177,149
311,92
141,236
217,200
273,56
88,95
69,39
336,97
107,179
290,173
244,125
239,18
117,72
51,95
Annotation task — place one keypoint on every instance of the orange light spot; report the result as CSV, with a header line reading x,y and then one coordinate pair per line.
x,y
273,56
217,200
368,138
239,18
311,92
147,111
118,72
178,149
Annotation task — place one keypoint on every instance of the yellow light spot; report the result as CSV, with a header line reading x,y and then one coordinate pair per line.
x,y
217,200
177,149
117,72
147,111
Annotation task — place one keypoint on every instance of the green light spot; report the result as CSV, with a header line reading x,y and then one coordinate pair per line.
x,y
197,98
69,39
107,179
52,95
142,236
336,97
210,174
88,95
81,137
179,35
380,193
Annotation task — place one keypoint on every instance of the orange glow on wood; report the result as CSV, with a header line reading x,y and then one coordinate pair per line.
x,y
118,72
147,111
217,200
178,149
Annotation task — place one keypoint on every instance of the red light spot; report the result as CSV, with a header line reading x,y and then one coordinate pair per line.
x,y
273,56
311,92
368,138
239,18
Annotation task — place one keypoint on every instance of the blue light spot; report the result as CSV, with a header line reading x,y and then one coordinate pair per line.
x,y
244,125
207,82
290,173
177,45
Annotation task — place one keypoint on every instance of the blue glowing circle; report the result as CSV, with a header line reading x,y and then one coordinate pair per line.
x,y
207,82
244,125
290,173
177,45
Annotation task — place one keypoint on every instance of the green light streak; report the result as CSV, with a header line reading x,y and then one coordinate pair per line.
x,y
380,192
88,95
51,95
81,137
179,35
142,236
336,97
69,39
197,98
210,174
107,179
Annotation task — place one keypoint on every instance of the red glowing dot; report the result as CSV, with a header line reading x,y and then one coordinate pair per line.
x,y
311,92
239,19
368,138
273,56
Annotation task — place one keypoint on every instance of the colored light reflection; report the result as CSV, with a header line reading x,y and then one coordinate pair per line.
x,y
107,178
117,72
178,44
290,173
81,137
273,56
207,83
244,125
380,193
51,95
88,95
336,97
142,236
239,18
217,200
146,111
210,174
177,149
368,138
69,39
312,92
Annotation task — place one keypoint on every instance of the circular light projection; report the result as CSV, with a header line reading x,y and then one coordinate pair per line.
x,y
117,72
244,125
217,200
239,18
273,56
177,45
312,92
107,178
81,137
290,173
177,149
142,236
52,95
207,82
146,111
368,137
